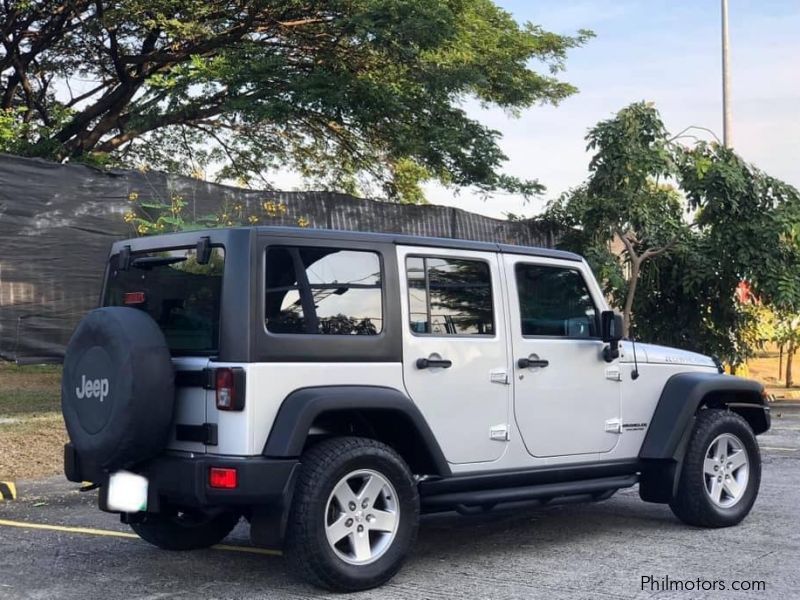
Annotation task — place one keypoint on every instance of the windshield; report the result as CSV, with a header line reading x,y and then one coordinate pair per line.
x,y
180,294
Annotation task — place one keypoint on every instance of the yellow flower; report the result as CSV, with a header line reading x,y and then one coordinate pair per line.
x,y
142,229
303,222
133,196
129,216
253,219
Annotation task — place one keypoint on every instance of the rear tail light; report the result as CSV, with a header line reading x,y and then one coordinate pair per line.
x,y
229,383
222,478
133,298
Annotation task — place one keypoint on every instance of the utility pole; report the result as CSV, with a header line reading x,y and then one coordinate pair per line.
x,y
726,79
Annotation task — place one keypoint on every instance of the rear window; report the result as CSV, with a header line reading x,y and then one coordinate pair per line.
x,y
180,294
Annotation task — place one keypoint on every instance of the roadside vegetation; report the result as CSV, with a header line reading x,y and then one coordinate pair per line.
x,y
32,431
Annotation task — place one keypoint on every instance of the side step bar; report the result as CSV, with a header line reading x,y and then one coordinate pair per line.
x,y
545,492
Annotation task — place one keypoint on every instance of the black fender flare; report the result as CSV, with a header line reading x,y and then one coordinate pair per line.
x,y
671,425
300,408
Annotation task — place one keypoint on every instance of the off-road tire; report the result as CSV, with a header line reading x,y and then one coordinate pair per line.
x,y
170,532
306,548
692,504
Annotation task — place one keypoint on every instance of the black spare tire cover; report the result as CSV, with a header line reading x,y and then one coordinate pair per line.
x,y
117,388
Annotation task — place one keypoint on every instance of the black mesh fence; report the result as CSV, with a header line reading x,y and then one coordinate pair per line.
x,y
57,223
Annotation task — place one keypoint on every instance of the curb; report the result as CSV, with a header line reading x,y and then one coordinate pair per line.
x,y
8,491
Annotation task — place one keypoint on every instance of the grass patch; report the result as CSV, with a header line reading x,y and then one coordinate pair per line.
x,y
32,434
32,448
29,390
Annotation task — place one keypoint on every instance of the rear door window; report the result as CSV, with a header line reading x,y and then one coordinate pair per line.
x,y
449,296
327,291
180,294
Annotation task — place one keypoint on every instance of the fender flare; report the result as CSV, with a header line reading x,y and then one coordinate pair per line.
x,y
300,408
681,397
672,423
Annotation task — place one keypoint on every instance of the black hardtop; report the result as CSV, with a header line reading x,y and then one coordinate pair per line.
x,y
222,235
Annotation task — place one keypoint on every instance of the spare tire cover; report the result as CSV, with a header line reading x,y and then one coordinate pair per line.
x,y
117,388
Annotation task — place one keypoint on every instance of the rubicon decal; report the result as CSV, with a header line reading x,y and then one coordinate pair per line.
x,y
92,388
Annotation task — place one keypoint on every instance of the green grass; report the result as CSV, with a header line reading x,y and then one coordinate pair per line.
x,y
29,390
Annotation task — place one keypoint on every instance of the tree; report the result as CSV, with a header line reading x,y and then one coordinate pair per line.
x,y
351,93
625,200
687,244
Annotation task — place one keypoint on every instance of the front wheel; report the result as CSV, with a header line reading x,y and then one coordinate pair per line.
x,y
721,471
185,530
354,516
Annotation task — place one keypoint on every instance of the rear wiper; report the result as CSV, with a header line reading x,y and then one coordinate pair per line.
x,y
148,262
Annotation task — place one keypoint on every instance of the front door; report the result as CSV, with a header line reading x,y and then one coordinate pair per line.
x,y
455,358
566,397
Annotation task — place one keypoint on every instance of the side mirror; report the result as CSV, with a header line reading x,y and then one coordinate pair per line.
x,y
611,326
611,330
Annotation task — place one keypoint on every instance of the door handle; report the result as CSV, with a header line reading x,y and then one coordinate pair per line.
x,y
429,363
532,361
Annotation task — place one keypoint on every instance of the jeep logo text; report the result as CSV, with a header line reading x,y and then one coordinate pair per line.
x,y
93,388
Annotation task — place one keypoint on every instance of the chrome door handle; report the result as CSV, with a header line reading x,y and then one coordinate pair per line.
x,y
532,361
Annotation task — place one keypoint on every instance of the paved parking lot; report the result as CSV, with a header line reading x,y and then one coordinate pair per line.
x,y
576,551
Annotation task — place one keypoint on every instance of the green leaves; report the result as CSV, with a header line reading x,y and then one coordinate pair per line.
x,y
721,222
349,93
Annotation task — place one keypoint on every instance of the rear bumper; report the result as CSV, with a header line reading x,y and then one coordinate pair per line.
x,y
183,480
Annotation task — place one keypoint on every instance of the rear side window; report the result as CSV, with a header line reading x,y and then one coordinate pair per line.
x,y
180,294
449,296
555,302
326,291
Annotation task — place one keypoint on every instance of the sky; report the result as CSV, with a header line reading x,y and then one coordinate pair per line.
x,y
667,52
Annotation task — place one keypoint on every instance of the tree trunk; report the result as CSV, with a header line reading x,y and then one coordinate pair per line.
x,y
789,357
780,361
626,313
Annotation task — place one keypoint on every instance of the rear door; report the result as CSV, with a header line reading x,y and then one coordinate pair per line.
x,y
455,360
183,296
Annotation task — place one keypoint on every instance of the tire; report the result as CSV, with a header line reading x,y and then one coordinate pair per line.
x,y
117,390
185,530
702,502
389,520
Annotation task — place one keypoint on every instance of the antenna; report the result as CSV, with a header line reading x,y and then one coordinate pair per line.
x,y
635,372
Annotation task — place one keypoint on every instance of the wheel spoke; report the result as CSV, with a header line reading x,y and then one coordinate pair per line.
x,y
372,487
721,451
738,459
710,467
361,547
716,490
344,495
732,487
383,520
337,531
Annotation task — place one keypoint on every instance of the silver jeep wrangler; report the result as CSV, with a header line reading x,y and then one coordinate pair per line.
x,y
331,386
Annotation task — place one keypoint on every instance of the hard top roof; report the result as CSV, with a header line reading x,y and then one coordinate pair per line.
x,y
336,235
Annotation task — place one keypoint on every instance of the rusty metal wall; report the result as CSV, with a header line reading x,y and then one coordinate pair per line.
x,y
57,223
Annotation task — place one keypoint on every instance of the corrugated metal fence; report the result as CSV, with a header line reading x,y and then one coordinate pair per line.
x,y
57,223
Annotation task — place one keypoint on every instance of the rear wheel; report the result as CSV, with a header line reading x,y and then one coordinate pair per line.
x,y
721,471
185,530
354,516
